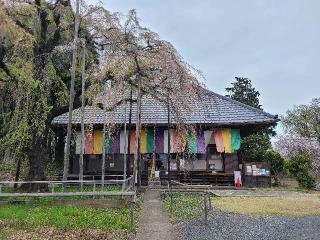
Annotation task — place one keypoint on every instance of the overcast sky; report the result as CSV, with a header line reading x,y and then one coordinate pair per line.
x,y
274,43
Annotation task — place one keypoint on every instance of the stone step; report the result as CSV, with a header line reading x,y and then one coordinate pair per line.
x,y
154,183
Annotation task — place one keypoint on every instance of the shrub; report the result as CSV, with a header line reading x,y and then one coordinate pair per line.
x,y
254,147
277,165
300,166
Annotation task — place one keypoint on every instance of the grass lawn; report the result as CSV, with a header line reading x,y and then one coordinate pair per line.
x,y
82,222
185,206
269,205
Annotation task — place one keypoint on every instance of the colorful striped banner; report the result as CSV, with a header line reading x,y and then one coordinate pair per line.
x,y
97,142
201,142
132,141
115,147
227,140
123,140
150,140
226,137
165,142
218,140
235,139
208,137
143,141
159,140
108,142
192,142
174,141
88,147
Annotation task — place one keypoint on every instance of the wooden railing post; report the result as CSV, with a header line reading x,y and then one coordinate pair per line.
x,y
205,200
132,202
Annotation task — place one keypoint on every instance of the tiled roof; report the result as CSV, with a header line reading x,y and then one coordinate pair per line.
x,y
210,108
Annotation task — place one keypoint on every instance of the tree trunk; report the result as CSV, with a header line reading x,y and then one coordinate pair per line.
x,y
18,168
103,166
125,144
82,114
129,130
137,155
169,145
37,166
73,75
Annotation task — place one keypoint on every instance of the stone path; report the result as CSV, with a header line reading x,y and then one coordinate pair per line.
x,y
154,221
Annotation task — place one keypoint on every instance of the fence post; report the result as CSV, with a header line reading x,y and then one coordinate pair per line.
x,y
131,213
0,188
205,200
170,194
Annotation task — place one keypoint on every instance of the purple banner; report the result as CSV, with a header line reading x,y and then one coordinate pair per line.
x,y
159,141
201,142
115,147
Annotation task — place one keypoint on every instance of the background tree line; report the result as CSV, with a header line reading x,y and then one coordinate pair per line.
x,y
34,81
297,153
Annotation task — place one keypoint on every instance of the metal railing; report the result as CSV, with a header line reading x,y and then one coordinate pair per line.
x,y
207,205
93,186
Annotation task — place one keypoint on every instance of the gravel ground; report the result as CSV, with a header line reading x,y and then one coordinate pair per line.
x,y
233,226
259,193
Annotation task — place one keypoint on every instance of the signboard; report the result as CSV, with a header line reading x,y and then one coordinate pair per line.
x,y
237,179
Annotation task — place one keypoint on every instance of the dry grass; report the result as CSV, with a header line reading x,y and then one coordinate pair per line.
x,y
269,205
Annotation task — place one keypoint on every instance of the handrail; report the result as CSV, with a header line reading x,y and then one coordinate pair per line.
x,y
52,184
66,181
57,194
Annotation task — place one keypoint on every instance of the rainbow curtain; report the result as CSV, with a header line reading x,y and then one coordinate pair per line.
x,y
143,141
147,140
115,146
150,140
226,137
235,139
174,148
132,141
227,140
108,142
97,142
88,147
218,140
193,148
201,142
159,141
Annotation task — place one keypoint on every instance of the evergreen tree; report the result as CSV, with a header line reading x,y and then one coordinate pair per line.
x,y
255,145
243,91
